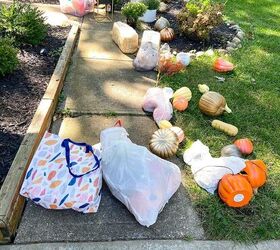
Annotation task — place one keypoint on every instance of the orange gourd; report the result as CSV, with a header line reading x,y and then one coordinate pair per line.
x,y
255,172
245,146
235,190
180,103
221,65
167,35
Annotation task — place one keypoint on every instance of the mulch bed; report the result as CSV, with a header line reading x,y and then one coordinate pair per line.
x,y
22,90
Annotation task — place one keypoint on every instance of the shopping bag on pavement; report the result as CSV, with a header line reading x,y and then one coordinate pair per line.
x,y
142,181
76,7
64,174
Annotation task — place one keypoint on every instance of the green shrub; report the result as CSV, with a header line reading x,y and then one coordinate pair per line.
x,y
23,23
133,10
199,17
8,56
152,4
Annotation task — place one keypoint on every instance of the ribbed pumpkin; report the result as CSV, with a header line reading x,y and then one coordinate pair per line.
x,y
184,91
167,35
222,65
179,132
213,104
180,103
245,146
255,172
164,124
164,143
230,150
235,190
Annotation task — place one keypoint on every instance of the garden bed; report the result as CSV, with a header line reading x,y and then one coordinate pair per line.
x,y
22,90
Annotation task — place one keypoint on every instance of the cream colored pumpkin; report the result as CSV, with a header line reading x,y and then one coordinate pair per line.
x,y
213,104
185,92
164,143
203,88
164,124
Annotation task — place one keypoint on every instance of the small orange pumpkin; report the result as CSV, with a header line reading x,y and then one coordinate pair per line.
x,y
255,172
167,35
221,65
245,146
235,190
180,103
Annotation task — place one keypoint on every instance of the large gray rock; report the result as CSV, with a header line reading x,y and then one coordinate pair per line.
x,y
125,37
148,54
162,23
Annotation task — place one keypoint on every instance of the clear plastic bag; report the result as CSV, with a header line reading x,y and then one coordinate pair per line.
x,y
76,7
156,100
142,181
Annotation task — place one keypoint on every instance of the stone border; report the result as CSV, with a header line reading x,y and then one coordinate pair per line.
x,y
12,204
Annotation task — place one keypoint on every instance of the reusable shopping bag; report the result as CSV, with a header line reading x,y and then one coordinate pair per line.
x,y
142,181
76,7
64,174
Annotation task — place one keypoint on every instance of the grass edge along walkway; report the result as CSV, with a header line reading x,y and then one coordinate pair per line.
x,y
253,93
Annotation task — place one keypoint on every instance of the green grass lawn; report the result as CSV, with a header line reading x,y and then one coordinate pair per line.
x,y
253,94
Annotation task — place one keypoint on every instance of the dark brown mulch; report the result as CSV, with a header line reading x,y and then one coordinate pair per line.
x,y
21,91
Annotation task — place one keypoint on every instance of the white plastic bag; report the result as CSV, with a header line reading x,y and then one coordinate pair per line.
x,y
142,181
208,171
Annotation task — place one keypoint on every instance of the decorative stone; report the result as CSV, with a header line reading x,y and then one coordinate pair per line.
x,y
240,35
222,51
209,52
125,37
162,7
230,44
236,27
199,53
236,40
148,54
161,23
230,49
239,46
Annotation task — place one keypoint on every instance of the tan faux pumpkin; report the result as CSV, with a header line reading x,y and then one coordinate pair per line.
x,y
167,35
184,91
164,143
213,104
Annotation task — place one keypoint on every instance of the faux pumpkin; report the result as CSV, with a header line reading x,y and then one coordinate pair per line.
x,y
222,65
179,132
164,143
225,127
230,150
203,88
184,91
180,103
255,172
167,35
164,124
235,190
213,104
245,146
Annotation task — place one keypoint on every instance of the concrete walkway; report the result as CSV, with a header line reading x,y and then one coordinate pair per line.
x,y
101,87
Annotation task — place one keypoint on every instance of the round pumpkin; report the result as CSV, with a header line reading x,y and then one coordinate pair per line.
x,y
180,103
164,143
179,132
222,65
235,190
213,104
255,172
184,91
245,146
230,150
164,124
167,35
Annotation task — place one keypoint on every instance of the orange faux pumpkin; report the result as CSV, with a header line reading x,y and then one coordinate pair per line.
x,y
180,103
245,146
167,35
255,172
221,65
235,190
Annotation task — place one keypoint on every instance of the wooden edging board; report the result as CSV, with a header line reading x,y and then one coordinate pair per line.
x,y
11,203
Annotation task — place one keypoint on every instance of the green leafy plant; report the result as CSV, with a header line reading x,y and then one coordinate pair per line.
x,y
199,17
152,4
22,22
8,56
132,11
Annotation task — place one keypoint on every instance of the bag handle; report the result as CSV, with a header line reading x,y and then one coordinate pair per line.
x,y
65,144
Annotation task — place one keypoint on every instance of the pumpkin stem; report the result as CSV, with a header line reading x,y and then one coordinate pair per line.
x,y
255,190
227,109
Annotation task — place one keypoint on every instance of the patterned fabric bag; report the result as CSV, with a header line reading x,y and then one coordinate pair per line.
x,y
64,175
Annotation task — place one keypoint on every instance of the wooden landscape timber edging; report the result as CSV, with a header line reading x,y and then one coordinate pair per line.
x,y
11,203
